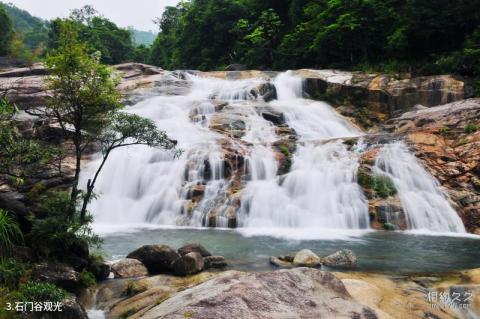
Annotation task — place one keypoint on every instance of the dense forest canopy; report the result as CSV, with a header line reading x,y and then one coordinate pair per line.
x,y
426,36
30,38
419,37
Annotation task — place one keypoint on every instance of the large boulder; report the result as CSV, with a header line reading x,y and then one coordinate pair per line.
x,y
188,248
295,293
306,257
58,274
341,258
157,258
214,262
188,264
128,267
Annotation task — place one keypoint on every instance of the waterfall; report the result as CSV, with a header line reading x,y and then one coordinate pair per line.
x,y
210,117
320,192
425,205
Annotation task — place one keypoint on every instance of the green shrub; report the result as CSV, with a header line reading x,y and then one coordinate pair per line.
x,y
11,272
10,233
470,128
42,291
383,186
87,279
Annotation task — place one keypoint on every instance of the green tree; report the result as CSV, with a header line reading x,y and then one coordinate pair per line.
x,y
98,33
86,105
6,31
263,38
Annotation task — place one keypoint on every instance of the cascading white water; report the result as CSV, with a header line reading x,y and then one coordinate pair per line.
x,y
425,205
140,185
320,192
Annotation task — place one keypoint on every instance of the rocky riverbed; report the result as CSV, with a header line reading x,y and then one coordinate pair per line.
x,y
292,293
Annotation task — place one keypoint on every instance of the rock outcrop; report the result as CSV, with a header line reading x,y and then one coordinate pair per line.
x,y
379,92
446,139
296,293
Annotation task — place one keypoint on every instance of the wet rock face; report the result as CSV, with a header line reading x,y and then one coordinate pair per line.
x,y
157,258
128,267
296,293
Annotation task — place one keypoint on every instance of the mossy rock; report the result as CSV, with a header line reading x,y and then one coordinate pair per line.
x,y
389,226
380,185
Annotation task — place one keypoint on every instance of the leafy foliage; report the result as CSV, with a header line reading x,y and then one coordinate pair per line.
x,y
97,33
21,157
6,31
11,272
9,232
41,291
470,128
380,185
54,233
32,30
87,279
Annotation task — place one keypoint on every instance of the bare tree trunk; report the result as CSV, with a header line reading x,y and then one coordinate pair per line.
x,y
90,186
74,192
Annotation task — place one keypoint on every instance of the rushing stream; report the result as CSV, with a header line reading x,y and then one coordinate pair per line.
x,y
318,198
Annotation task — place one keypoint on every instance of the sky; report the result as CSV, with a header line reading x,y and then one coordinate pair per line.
x,y
136,13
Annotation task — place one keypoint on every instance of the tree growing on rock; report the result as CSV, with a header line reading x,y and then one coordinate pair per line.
x,y
86,105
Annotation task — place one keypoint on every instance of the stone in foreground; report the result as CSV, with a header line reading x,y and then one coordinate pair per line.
x,y
294,293
306,257
128,267
157,258
188,264
341,258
